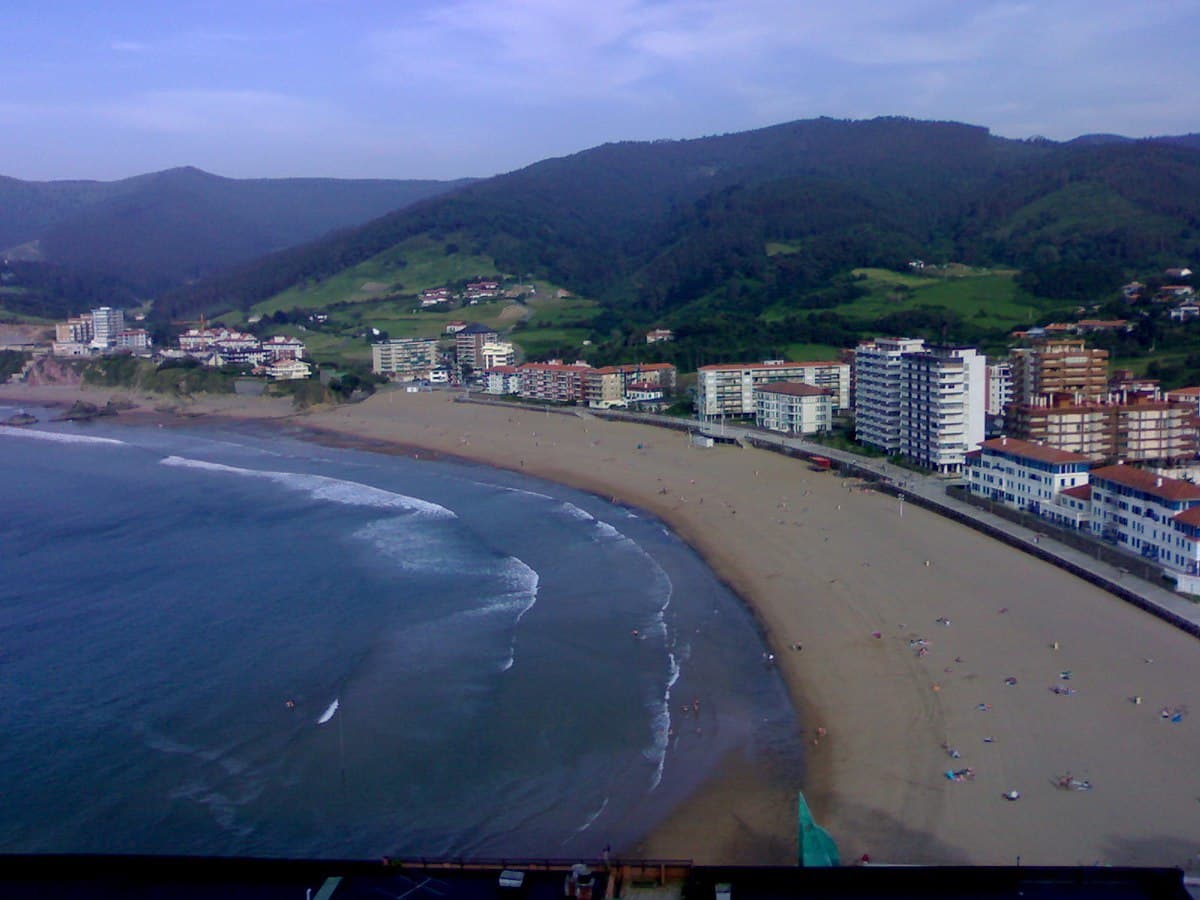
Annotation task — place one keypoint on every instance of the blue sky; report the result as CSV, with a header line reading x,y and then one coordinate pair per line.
x,y
414,89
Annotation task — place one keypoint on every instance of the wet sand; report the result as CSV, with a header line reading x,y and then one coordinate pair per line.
x,y
864,590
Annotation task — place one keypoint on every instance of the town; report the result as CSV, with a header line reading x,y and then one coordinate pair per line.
x,y
1047,430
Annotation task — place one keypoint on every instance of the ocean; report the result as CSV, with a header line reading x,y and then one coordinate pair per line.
x,y
227,641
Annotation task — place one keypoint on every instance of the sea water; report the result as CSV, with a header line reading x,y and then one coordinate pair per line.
x,y
225,641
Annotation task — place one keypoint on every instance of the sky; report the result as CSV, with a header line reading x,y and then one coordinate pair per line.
x,y
453,88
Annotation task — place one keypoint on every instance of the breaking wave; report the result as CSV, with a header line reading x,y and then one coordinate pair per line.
x,y
59,437
322,487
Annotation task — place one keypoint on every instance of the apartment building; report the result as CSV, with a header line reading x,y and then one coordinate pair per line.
x,y
1059,367
1154,516
728,390
107,323
496,353
611,385
1023,475
793,407
942,411
76,330
502,380
999,387
879,390
469,342
553,381
404,359
1141,431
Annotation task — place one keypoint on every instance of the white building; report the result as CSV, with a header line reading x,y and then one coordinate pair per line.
x,y
999,387
136,340
942,408
288,370
502,380
879,390
1026,476
497,353
728,390
106,324
404,358
793,408
1154,516
283,347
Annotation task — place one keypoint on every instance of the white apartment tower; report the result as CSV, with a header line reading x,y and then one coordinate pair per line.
x,y
999,387
943,408
879,390
107,323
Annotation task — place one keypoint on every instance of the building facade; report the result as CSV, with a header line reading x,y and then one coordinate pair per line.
x,y
1138,431
1023,475
728,390
611,385
1059,367
1151,515
942,412
793,408
469,342
404,359
107,323
879,390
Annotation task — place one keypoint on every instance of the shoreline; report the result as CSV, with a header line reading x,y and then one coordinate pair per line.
x,y
824,564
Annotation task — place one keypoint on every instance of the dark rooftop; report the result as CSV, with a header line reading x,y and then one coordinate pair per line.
x,y
61,877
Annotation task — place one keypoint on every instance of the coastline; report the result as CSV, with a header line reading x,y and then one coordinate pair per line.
x,y
829,566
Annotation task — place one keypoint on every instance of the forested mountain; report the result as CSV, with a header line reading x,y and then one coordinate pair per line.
x,y
651,228
159,230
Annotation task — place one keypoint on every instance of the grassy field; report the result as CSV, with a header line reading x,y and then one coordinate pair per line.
x,y
407,268
990,298
546,322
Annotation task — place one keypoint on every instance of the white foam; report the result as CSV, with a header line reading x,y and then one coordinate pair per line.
x,y
322,487
574,512
328,714
592,818
59,437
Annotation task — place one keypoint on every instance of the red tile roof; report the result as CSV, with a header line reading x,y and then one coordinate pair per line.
x,y
1148,482
1189,516
1030,450
1079,492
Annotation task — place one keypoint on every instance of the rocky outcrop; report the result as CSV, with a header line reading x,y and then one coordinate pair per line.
x,y
51,370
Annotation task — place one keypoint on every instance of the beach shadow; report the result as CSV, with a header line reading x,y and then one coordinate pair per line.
x,y
1153,851
864,829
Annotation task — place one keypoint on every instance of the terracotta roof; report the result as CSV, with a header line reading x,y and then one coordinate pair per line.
x,y
794,389
1185,392
1189,516
1079,492
1030,450
1148,482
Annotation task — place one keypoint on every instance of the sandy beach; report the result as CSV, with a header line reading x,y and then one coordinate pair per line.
x,y
917,636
